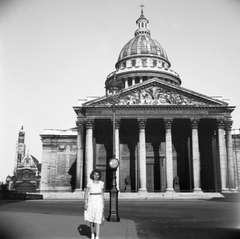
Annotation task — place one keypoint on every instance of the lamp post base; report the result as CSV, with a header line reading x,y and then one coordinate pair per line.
x,y
113,218
113,211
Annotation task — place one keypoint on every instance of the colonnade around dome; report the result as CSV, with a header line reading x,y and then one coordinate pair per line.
x,y
142,62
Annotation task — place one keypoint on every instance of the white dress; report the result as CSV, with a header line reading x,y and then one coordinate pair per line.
x,y
94,212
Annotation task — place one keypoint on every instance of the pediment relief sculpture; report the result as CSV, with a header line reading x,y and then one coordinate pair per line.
x,y
158,96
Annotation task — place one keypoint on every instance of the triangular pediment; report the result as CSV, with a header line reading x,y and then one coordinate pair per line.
x,y
157,92
27,162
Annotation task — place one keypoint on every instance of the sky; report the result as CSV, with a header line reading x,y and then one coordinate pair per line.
x,y
54,52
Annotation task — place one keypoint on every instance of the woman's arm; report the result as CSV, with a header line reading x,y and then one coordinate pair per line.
x,y
86,198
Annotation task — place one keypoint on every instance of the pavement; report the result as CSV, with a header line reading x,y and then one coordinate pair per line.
x,y
43,219
21,225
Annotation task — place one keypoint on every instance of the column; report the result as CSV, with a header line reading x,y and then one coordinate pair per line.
x,y
126,83
89,149
142,156
216,166
196,157
79,164
222,155
231,172
169,155
163,174
117,150
133,81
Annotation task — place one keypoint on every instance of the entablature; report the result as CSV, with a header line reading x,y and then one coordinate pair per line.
x,y
133,111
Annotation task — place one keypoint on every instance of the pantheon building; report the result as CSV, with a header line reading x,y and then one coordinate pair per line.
x,y
168,139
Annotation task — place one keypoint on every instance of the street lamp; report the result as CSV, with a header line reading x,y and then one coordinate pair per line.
x,y
8,181
113,88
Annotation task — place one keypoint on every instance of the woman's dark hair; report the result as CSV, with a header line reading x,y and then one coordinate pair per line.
x,y
96,171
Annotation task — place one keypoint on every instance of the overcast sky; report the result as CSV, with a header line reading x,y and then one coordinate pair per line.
x,y
54,52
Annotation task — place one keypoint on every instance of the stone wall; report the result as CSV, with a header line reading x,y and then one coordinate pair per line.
x,y
59,163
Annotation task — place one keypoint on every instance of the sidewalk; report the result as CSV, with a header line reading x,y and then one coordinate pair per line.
x,y
19,225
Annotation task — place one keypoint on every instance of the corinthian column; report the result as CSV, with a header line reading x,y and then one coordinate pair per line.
x,y
222,154
228,126
117,151
89,149
79,165
169,155
142,156
196,157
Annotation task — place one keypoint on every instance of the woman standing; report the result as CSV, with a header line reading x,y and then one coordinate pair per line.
x,y
94,202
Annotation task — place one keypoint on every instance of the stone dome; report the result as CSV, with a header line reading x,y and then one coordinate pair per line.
x,y
141,59
142,45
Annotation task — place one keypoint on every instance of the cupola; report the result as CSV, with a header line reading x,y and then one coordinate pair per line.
x,y
142,58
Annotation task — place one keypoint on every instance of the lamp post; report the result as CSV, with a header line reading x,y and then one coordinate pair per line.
x,y
8,181
113,92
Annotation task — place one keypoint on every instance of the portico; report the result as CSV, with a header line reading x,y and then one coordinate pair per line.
x,y
157,143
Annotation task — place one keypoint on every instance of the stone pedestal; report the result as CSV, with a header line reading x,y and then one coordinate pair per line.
x,y
128,188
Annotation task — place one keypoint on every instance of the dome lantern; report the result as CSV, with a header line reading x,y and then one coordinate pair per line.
x,y
142,24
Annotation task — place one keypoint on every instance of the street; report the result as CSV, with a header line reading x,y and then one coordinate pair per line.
x,y
198,219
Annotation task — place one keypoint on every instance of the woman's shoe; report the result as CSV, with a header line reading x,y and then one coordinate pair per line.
x,y
97,237
92,237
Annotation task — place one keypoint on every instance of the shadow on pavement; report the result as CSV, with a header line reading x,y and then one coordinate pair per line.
x,y
8,195
84,230
228,197
5,202
4,235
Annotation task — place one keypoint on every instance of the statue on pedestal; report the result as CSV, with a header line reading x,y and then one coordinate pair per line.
x,y
176,184
128,184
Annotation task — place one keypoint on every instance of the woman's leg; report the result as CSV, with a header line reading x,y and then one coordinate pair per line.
x,y
97,229
92,228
